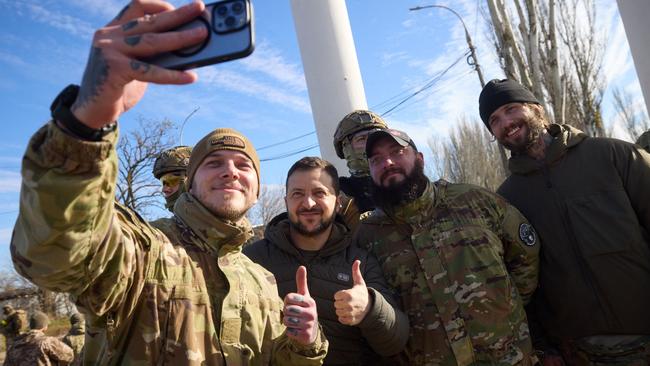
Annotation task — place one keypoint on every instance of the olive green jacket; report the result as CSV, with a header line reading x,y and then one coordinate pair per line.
x,y
464,263
181,296
589,200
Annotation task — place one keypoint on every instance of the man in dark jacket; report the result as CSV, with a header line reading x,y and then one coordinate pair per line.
x,y
589,199
355,307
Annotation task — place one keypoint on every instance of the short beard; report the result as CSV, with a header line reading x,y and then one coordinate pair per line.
x,y
302,230
407,191
534,119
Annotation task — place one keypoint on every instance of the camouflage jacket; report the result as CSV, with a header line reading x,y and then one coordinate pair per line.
x,y
464,263
14,324
75,339
34,348
182,296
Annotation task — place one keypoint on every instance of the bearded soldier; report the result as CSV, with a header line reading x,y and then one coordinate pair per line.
x,y
350,144
463,260
170,168
590,201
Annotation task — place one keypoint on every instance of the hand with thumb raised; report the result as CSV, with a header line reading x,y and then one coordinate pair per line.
x,y
353,305
300,315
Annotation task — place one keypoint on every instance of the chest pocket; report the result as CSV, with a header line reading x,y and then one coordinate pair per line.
x,y
467,262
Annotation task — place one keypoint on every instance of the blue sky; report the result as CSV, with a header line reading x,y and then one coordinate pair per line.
x,y
44,45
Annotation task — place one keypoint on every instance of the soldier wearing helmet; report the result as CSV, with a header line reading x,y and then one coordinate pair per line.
x,y
350,144
170,168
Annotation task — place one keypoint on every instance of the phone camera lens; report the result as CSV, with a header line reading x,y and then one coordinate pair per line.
x,y
230,21
222,11
237,8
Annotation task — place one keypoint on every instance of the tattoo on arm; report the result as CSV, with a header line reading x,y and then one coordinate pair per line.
x,y
132,40
129,25
140,66
121,13
94,77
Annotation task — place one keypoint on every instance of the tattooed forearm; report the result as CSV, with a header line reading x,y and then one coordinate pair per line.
x,y
140,66
129,25
132,40
94,77
121,13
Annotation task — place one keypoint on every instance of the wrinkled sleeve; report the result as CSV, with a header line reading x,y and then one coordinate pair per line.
x,y
59,351
633,165
67,237
386,326
521,250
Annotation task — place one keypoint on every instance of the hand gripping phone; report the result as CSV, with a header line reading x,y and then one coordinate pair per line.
x,y
230,36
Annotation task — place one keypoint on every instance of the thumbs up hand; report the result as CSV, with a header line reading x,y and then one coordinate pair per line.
x,y
300,315
352,305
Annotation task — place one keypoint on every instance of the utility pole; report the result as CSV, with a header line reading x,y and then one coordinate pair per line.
x,y
473,63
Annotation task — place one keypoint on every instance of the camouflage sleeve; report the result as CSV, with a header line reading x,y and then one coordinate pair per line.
x,y
386,326
58,351
67,237
521,250
349,212
289,352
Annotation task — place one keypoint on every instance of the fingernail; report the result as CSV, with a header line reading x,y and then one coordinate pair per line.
x,y
294,310
293,320
297,298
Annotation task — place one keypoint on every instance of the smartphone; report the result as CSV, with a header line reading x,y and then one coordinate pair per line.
x,y
230,36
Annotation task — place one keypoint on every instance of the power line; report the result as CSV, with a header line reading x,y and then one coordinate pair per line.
x,y
291,153
285,141
428,85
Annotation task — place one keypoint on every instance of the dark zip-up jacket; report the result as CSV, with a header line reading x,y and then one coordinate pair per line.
x,y
589,200
383,332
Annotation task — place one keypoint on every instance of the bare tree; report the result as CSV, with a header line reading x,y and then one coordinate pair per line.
x,y
269,204
634,118
137,150
565,75
469,156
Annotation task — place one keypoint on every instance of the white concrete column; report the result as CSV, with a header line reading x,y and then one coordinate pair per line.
x,y
332,72
634,14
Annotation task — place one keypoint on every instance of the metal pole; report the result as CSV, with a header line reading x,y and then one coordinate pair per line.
x,y
474,63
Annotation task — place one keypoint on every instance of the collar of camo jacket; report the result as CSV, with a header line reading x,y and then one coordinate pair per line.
x,y
207,231
415,212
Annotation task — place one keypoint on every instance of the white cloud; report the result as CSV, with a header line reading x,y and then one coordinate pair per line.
x,y
5,235
106,9
9,181
11,59
59,20
269,61
229,80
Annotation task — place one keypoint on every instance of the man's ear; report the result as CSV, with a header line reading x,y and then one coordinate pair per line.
x,y
420,157
338,207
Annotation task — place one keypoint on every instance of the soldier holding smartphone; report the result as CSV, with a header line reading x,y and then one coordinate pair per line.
x,y
178,294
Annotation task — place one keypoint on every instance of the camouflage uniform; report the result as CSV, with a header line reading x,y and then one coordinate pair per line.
x,y
174,160
34,348
355,190
464,262
75,337
14,324
182,296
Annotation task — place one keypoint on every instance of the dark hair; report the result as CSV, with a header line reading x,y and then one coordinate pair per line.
x,y
311,163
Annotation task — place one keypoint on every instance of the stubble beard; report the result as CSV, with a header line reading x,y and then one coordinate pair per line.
x,y
406,191
536,126
324,224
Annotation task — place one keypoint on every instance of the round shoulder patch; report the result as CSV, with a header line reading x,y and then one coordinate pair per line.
x,y
527,234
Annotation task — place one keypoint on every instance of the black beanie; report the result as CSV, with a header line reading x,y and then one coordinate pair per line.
x,y
499,92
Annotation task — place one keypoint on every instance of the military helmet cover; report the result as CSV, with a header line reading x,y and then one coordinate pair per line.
x,y
354,122
172,160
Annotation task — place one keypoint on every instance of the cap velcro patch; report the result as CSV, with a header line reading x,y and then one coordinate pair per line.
x,y
228,140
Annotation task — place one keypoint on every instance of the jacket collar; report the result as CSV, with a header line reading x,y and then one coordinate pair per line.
x,y
563,137
417,211
213,234
277,232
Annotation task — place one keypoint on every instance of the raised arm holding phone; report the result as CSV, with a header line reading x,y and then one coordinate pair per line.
x,y
179,293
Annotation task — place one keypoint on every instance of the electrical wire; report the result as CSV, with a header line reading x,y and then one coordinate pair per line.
x,y
290,153
428,85
285,141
